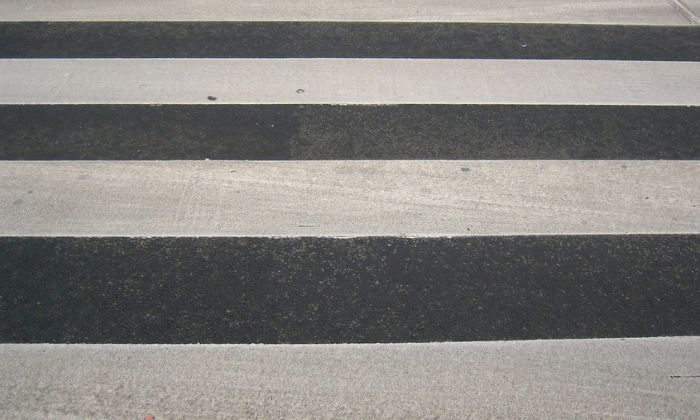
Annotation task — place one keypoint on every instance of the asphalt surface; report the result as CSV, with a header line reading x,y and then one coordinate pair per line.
x,y
327,132
347,39
316,290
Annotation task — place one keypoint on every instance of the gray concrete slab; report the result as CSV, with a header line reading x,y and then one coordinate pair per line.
x,y
690,9
347,198
649,12
633,378
693,5
347,81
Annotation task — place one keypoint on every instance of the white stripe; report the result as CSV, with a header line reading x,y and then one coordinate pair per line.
x,y
348,198
347,81
688,8
633,378
652,12
693,5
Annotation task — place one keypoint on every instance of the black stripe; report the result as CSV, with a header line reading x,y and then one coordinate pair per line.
x,y
319,39
315,290
87,132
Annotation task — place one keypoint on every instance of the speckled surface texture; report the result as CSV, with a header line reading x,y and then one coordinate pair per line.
x,y
281,132
337,39
314,290
603,378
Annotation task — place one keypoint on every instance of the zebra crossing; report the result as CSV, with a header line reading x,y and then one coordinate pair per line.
x,y
359,209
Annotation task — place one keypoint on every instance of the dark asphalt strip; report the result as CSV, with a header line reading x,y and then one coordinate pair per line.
x,y
347,40
326,132
363,290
